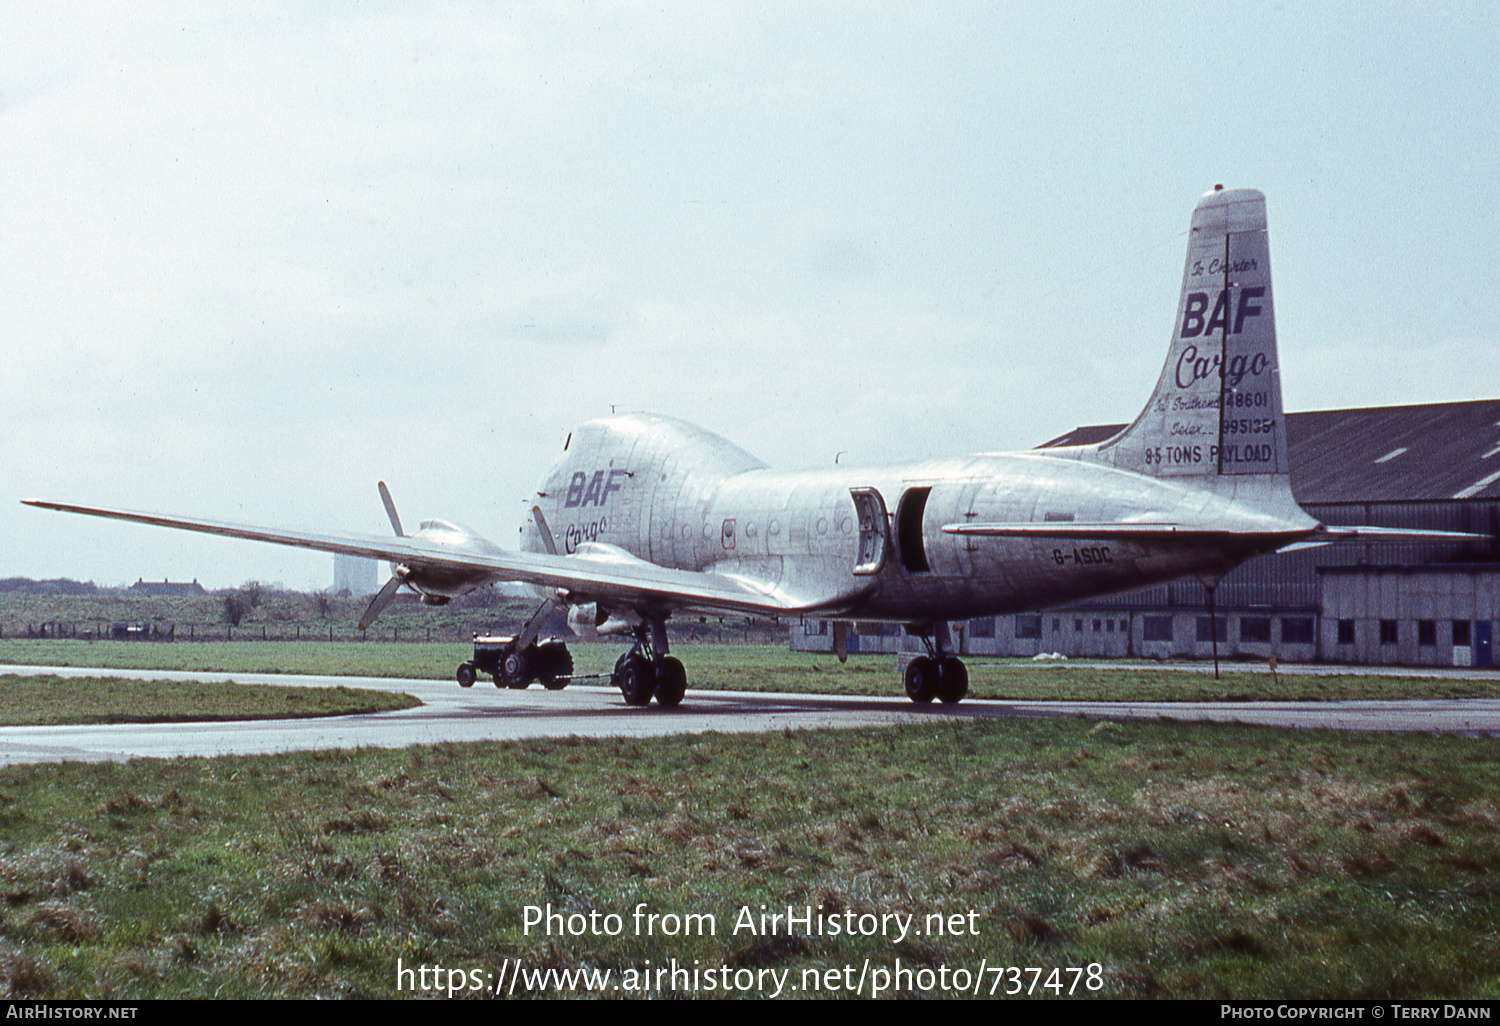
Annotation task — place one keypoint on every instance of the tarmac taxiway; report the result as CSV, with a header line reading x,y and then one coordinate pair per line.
x,y
483,713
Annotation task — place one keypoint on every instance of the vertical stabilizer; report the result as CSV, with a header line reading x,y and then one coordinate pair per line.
x,y
1216,411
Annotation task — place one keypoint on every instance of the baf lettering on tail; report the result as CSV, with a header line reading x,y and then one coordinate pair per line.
x,y
1217,409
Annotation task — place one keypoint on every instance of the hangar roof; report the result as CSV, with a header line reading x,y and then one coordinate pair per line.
x,y
1382,454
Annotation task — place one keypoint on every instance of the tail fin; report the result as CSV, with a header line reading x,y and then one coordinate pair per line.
x,y
1216,411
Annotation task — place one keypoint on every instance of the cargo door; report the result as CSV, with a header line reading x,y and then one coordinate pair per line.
x,y
874,531
909,529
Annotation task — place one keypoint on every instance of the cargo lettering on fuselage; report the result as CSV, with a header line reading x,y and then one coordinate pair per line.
x,y
576,534
584,490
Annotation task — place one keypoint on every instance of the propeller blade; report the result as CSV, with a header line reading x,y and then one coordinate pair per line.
x,y
544,530
390,510
379,602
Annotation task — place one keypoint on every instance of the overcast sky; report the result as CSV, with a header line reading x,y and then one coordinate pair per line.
x,y
256,257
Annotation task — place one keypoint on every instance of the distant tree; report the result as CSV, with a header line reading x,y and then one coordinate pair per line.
x,y
253,592
323,602
56,586
234,609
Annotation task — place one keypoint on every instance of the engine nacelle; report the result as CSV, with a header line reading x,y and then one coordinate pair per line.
x,y
590,620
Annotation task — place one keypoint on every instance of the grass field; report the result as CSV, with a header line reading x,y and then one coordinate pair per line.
x,y
754,668
1180,861
46,699
1144,860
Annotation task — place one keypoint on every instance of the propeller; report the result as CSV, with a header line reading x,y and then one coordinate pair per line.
x,y
386,594
379,602
390,508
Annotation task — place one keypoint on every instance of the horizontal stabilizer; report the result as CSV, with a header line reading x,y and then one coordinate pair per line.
x,y
1338,534
1326,535
1073,529
1156,530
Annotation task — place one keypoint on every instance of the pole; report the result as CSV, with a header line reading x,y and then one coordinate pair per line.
x,y
1213,628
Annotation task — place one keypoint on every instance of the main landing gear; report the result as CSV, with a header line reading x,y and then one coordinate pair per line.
x,y
647,671
938,674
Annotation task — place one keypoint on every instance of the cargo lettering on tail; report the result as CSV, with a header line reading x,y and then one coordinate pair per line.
x,y
1217,407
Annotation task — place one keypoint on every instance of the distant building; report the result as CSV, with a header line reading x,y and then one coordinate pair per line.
x,y
1401,602
167,588
356,575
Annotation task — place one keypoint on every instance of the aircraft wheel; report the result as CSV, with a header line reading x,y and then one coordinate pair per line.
x,y
636,680
953,681
671,683
921,680
465,675
516,671
556,665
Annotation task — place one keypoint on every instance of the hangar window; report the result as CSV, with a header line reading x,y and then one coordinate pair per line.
x,y
1255,628
1461,632
1209,627
1029,625
1078,625
1157,628
1388,632
984,627
1346,632
1426,632
1297,630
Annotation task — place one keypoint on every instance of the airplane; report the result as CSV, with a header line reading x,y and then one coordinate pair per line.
x,y
646,517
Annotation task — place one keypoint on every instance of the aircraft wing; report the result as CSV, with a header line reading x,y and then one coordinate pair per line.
x,y
603,573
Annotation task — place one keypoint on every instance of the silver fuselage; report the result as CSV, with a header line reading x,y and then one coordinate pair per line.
x,y
677,496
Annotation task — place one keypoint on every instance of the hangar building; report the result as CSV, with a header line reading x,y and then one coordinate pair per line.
x,y
1407,603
